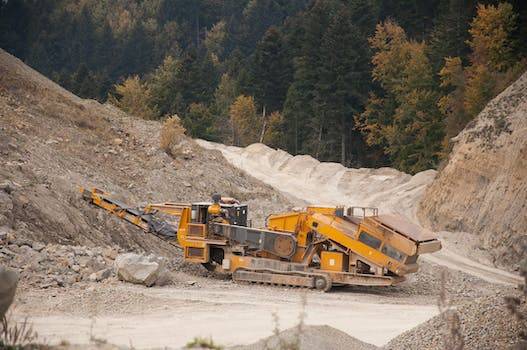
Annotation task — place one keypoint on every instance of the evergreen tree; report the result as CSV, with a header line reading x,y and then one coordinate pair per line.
x,y
450,31
270,71
165,87
199,122
343,82
303,122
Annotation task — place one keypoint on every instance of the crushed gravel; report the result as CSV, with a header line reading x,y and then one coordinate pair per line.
x,y
309,338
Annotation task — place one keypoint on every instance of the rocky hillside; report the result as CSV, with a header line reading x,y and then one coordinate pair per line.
x,y
52,142
483,187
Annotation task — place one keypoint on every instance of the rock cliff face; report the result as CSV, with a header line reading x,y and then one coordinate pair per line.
x,y
483,187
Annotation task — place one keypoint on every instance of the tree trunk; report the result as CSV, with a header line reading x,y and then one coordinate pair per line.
x,y
296,134
319,142
343,146
264,125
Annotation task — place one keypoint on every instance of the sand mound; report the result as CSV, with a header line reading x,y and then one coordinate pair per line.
x,y
483,188
311,338
306,178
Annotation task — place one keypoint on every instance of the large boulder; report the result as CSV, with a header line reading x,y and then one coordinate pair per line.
x,y
140,269
8,283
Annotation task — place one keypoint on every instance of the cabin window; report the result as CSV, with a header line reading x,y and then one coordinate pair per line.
x,y
392,252
369,240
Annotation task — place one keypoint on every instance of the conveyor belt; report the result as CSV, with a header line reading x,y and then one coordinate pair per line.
x,y
136,216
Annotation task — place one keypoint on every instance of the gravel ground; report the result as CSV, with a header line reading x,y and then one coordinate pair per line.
x,y
485,324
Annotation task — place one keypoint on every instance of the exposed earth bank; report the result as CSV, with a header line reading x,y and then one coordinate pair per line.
x,y
483,187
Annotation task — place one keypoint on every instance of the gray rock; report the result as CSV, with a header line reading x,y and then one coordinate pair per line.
x,y
110,253
100,275
38,246
139,269
8,283
6,186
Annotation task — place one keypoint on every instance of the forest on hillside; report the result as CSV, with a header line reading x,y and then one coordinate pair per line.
x,y
361,82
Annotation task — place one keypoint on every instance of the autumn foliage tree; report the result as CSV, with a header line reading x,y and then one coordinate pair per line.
x,y
404,119
134,97
273,131
493,65
246,125
451,105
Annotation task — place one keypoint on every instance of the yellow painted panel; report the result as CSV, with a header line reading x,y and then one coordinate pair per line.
x,y
333,261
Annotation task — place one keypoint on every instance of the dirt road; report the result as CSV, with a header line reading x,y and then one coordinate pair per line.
x,y
231,314
451,260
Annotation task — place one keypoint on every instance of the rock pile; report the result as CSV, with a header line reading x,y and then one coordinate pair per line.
x,y
486,323
54,265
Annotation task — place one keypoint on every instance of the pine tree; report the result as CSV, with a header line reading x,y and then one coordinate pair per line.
x,y
342,87
270,71
450,32
304,124
199,122
491,41
274,130
224,96
164,85
493,55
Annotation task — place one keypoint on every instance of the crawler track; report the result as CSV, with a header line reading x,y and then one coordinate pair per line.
x,y
301,279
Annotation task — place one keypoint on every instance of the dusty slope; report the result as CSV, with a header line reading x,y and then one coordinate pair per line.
x,y
51,142
483,188
329,183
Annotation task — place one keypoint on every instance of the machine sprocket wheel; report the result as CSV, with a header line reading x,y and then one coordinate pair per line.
x,y
323,283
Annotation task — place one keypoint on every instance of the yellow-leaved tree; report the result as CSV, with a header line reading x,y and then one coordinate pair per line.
x,y
133,97
494,64
246,124
452,105
273,133
405,120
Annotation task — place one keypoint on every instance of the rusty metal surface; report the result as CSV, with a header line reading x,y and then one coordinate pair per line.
x,y
274,278
400,224
344,278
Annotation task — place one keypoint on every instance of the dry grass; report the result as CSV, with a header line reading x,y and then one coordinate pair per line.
x,y
203,343
170,132
295,342
14,336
